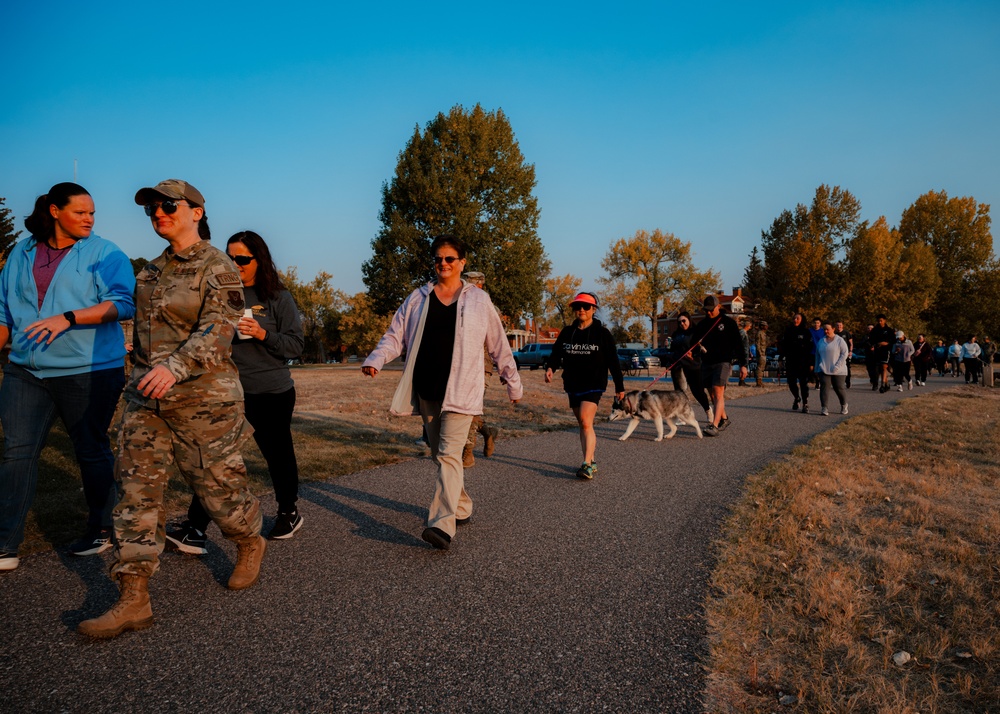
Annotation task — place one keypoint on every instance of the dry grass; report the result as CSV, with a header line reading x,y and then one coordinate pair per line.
x,y
881,536
341,425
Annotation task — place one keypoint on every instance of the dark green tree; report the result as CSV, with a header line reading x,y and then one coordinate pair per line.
x,y
138,264
463,174
754,278
8,236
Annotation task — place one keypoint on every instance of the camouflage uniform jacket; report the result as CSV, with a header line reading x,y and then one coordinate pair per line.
x,y
187,306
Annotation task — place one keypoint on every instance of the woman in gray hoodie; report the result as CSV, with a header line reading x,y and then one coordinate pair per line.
x,y
443,326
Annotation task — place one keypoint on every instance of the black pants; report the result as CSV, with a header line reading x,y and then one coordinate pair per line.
x,y
798,376
692,375
920,369
271,417
900,373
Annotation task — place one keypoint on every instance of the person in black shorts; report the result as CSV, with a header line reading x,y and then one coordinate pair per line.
x,y
586,351
718,338
881,339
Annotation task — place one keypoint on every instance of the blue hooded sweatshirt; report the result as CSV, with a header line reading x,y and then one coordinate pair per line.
x,y
94,271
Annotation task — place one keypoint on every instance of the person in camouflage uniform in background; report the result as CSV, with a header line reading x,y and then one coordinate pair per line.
x,y
184,406
479,425
760,342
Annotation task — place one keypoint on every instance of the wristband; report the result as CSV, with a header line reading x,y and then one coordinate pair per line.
x,y
71,317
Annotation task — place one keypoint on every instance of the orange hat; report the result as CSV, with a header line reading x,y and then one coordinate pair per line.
x,y
584,299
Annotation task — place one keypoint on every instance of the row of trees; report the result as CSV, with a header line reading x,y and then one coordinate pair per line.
x,y
935,272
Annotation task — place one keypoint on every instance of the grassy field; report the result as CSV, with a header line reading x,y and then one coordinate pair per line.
x,y
862,573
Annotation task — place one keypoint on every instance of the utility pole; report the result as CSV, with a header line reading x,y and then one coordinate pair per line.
x,y
74,171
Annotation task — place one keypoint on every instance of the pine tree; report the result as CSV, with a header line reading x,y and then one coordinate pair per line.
x,y
8,236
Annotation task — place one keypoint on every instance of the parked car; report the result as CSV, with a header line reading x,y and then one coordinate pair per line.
x,y
662,354
533,355
630,358
858,357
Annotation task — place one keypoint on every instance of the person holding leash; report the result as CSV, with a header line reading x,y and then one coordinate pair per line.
x,y
687,363
586,351
718,338
443,326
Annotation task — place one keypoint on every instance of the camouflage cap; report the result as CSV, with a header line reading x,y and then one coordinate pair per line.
x,y
474,276
171,188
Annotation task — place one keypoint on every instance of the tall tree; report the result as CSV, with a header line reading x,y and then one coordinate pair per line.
x,y
754,278
360,327
320,308
557,295
958,231
463,174
882,275
8,236
653,272
801,249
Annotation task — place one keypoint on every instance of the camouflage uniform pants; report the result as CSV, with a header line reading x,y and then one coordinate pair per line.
x,y
203,444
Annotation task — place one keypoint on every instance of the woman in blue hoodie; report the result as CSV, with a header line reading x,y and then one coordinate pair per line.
x,y
62,293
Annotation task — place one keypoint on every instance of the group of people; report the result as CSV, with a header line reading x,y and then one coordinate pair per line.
x,y
212,333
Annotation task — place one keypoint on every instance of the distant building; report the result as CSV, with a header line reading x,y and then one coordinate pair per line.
x,y
520,338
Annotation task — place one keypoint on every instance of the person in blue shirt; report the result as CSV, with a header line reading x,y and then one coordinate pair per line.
x,y
63,291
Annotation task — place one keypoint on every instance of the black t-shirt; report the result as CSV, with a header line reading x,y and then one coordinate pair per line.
x,y
437,343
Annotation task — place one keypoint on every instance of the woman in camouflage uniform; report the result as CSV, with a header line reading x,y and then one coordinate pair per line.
x,y
184,406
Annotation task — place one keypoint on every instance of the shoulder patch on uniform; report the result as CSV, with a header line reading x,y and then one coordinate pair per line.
x,y
235,299
228,279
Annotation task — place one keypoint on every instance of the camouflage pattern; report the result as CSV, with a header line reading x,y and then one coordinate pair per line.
x,y
187,307
202,443
760,341
171,188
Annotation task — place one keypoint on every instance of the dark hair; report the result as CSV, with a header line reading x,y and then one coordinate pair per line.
x,y
448,239
40,223
268,282
800,314
204,232
881,316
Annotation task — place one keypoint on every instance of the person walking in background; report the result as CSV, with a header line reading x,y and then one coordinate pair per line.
x,y
816,330
831,364
760,340
798,350
970,358
923,359
871,363
882,338
745,337
184,406
443,326
479,425
986,352
267,337
718,338
955,358
902,355
848,338
687,364
940,357
62,292
586,352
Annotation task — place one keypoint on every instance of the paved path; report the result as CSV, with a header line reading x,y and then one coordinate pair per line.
x,y
560,595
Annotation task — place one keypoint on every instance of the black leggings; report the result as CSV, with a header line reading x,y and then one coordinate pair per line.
x,y
271,417
798,380
691,375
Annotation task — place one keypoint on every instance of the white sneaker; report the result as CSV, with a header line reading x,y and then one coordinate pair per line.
x,y
899,388
825,412
9,561
711,415
843,409
909,384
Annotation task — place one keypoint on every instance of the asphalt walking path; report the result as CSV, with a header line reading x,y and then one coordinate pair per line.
x,y
560,595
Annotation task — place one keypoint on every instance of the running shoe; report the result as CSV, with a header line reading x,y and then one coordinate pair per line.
x,y
9,561
187,539
587,471
93,542
285,526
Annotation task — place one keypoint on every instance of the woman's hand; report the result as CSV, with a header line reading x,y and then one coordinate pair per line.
x,y
548,375
47,329
157,382
619,395
369,371
251,328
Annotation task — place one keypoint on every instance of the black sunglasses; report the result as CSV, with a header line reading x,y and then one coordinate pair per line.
x,y
242,259
449,259
169,207
581,306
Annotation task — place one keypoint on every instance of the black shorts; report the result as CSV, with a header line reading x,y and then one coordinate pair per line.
x,y
715,375
576,399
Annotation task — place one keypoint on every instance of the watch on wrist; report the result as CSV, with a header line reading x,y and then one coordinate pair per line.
x,y
71,317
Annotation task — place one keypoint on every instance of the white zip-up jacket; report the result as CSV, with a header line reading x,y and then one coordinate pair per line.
x,y
478,325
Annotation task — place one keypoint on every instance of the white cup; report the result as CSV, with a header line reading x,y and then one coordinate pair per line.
x,y
246,313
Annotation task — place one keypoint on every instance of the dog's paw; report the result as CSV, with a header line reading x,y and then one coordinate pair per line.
x,y
622,438
660,438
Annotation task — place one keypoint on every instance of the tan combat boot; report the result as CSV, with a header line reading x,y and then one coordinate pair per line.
x,y
468,460
490,434
131,612
249,554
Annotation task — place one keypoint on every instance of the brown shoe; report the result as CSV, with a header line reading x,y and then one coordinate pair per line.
x,y
131,612
490,434
247,570
468,460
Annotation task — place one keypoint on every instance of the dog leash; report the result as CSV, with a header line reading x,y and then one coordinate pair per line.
x,y
678,360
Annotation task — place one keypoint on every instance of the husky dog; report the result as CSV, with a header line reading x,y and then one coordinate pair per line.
x,y
658,405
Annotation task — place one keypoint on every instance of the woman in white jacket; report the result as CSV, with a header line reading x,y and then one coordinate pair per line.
x,y
831,363
443,326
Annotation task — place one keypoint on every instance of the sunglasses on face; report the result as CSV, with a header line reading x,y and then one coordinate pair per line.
x,y
449,259
169,207
242,260
585,308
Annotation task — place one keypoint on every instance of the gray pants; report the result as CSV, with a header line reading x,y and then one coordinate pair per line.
x,y
447,433
839,383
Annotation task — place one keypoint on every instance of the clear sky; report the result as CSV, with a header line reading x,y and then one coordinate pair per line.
x,y
702,119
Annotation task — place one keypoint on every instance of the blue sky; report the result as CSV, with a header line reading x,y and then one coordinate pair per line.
x,y
705,120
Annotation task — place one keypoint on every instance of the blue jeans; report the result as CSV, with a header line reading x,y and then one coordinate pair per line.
x,y
28,408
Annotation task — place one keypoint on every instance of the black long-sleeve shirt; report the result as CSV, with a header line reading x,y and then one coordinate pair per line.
x,y
586,356
720,338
